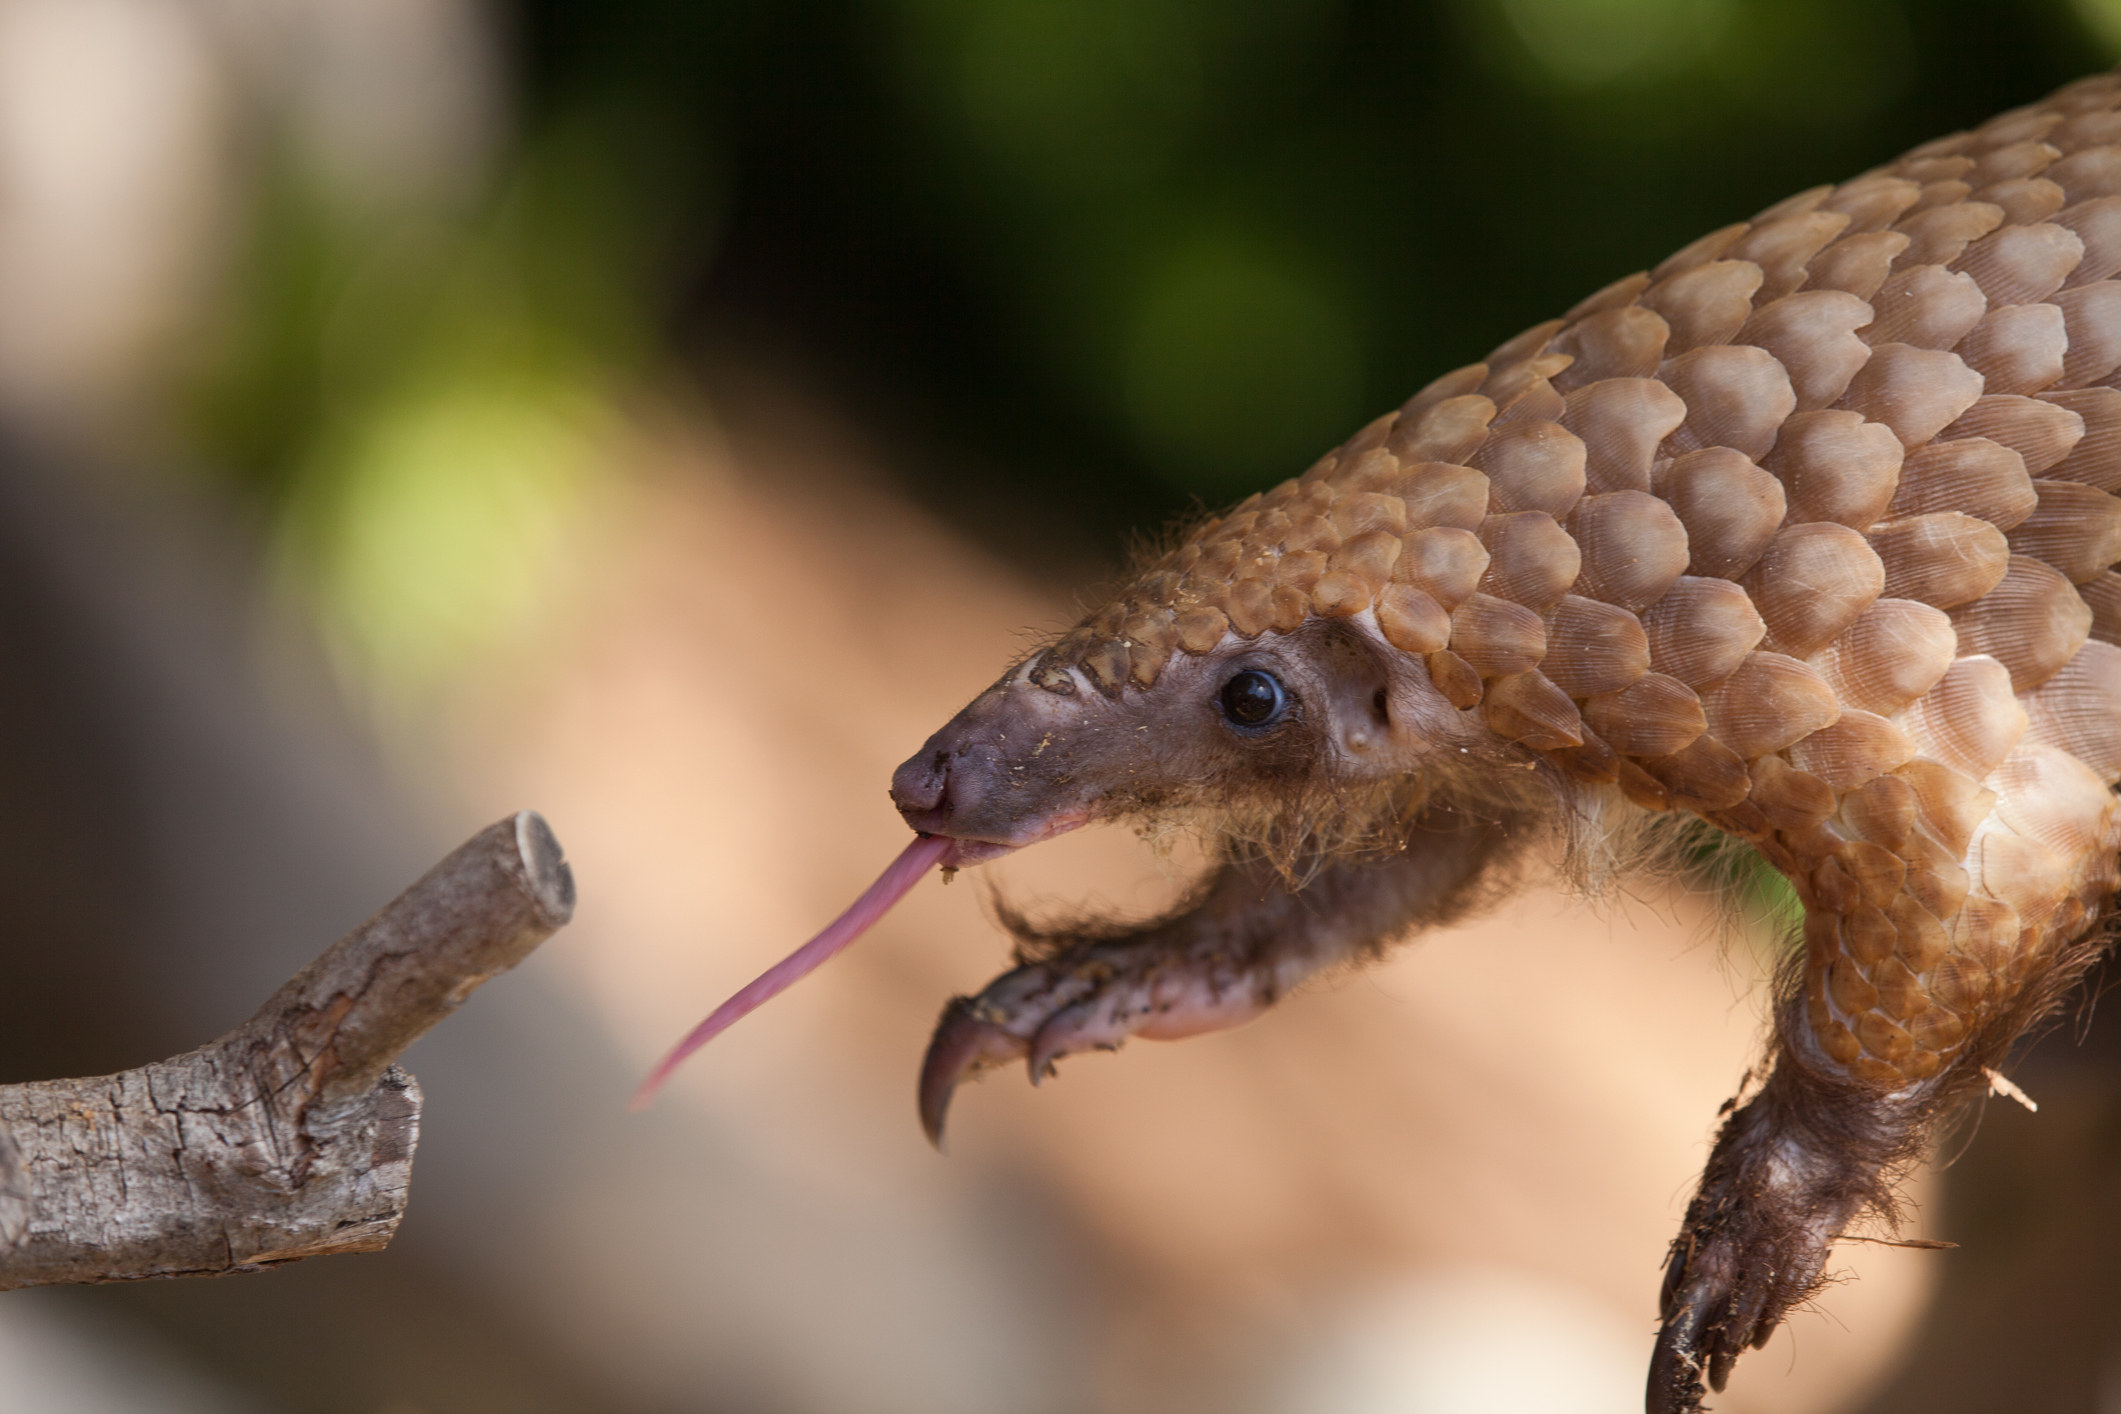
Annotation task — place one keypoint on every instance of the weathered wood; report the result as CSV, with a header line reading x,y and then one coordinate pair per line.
x,y
293,1135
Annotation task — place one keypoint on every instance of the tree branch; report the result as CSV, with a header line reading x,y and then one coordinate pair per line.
x,y
292,1136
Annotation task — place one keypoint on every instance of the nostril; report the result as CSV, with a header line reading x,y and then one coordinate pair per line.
x,y
921,783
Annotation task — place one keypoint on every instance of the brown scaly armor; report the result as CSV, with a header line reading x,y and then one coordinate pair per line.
x,y
1807,532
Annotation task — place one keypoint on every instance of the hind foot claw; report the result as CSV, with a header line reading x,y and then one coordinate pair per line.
x,y
1791,1170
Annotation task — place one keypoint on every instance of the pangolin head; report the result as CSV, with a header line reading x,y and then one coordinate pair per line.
x,y
1283,669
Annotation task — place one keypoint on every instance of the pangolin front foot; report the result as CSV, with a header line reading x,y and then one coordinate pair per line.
x,y
1243,940
1792,1169
1091,996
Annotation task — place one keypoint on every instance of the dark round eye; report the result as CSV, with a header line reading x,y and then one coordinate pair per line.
x,y
1254,699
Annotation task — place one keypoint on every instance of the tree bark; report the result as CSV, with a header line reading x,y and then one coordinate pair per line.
x,y
291,1136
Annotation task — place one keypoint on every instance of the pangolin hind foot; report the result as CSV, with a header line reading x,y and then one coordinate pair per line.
x,y
1795,1166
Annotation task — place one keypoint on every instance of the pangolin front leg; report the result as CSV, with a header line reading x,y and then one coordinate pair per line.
x,y
1242,942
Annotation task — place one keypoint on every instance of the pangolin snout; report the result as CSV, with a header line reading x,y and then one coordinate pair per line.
x,y
988,776
947,788
920,785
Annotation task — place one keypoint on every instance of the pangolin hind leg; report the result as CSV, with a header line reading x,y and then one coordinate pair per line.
x,y
1239,944
1888,1020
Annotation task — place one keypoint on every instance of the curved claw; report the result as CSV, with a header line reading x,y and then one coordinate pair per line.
x,y
964,1043
1093,1024
1092,997
1675,1369
1052,1041
1714,1317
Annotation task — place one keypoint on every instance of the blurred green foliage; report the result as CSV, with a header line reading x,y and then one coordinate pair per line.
x,y
1083,262
422,397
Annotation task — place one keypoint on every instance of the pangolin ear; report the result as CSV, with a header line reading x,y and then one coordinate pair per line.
x,y
1354,680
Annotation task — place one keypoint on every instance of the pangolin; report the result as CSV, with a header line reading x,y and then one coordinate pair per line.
x,y
1808,533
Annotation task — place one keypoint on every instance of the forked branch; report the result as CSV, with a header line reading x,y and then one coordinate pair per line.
x,y
291,1136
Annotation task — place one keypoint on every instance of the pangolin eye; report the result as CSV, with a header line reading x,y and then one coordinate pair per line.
x,y
1254,699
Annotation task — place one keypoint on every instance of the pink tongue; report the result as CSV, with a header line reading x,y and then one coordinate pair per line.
x,y
893,884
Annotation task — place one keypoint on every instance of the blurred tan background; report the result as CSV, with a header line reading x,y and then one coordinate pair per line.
x,y
664,414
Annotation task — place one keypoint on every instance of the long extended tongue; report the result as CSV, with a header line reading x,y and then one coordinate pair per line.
x,y
893,884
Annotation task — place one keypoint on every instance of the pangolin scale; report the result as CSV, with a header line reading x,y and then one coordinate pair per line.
x,y
1808,532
